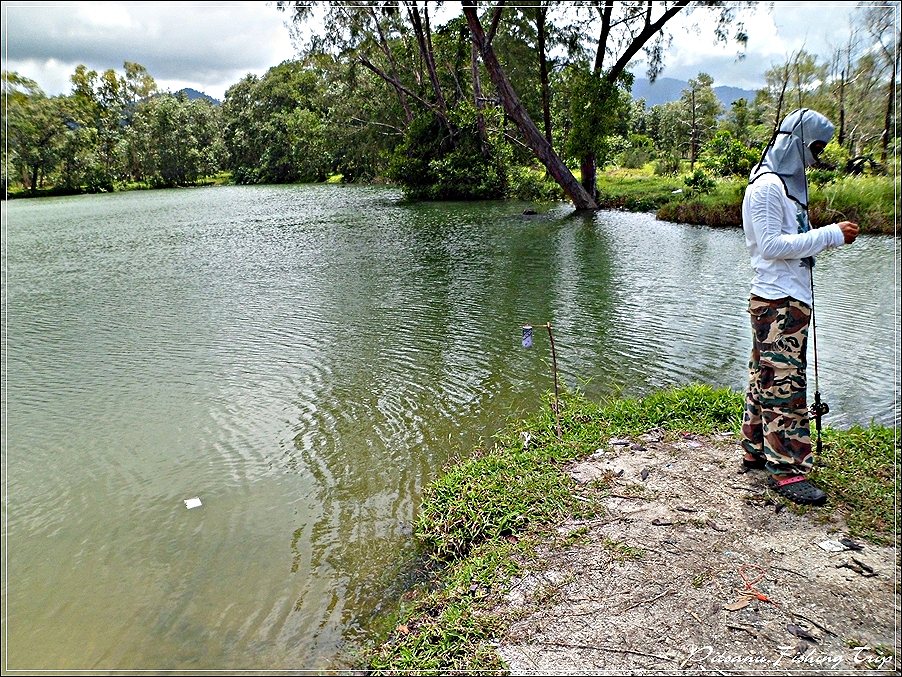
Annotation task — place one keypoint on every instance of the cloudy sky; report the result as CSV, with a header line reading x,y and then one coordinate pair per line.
x,y
211,45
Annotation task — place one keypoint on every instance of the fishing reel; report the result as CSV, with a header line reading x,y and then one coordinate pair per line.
x,y
819,408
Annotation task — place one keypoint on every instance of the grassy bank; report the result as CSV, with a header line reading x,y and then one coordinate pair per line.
x,y
866,200
14,192
487,514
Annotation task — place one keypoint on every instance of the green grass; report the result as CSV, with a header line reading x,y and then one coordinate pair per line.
x,y
721,207
866,200
219,179
636,189
510,488
859,470
695,408
483,518
450,629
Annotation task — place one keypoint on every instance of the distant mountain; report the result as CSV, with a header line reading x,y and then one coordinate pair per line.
x,y
664,90
728,95
193,94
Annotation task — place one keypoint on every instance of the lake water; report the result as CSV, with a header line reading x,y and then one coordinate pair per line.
x,y
304,359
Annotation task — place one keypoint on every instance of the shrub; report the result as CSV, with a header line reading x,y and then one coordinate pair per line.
x,y
667,165
698,183
527,183
438,163
834,156
634,158
725,155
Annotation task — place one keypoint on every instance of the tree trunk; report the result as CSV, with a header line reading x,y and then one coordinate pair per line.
x,y
588,170
393,68
541,13
588,163
425,42
888,118
515,110
840,139
478,99
693,140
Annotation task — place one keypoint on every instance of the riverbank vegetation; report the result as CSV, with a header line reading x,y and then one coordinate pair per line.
x,y
485,515
507,102
867,200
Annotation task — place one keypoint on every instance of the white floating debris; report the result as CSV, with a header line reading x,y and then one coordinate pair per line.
x,y
677,191
192,503
832,546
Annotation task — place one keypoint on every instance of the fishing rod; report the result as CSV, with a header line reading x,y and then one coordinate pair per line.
x,y
818,408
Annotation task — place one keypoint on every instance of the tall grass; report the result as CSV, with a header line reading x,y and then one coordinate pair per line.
x,y
859,469
636,190
866,200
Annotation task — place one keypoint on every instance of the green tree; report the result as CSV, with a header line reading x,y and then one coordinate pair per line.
x,y
739,121
790,85
725,155
274,127
700,109
35,126
437,164
882,22
363,119
102,103
624,30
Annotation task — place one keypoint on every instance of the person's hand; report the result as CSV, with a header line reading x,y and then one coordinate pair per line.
x,y
849,231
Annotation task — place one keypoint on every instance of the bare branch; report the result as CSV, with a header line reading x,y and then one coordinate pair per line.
x,y
496,17
395,83
644,36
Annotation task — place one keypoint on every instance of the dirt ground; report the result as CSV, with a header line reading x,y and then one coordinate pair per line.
x,y
657,583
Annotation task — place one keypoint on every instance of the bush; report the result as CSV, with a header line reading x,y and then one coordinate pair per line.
x,y
667,165
698,183
821,177
634,158
438,163
725,155
867,200
528,183
834,156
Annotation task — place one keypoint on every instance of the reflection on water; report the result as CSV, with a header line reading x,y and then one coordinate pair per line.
x,y
305,359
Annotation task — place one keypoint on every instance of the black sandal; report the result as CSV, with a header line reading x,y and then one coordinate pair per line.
x,y
798,489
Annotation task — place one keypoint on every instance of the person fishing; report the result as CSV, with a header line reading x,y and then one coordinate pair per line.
x,y
776,434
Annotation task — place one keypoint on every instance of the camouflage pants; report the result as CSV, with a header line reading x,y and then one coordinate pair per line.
x,y
775,423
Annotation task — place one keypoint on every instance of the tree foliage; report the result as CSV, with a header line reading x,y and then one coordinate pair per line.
x,y
486,99
111,129
436,163
274,127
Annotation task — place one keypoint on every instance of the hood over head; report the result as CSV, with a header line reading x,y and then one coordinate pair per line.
x,y
789,153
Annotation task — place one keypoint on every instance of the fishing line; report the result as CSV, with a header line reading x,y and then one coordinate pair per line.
x,y
818,408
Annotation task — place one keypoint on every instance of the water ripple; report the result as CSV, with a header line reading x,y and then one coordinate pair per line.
x,y
306,360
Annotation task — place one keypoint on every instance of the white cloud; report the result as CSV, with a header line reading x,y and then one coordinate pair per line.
x,y
206,45
105,16
211,45
772,37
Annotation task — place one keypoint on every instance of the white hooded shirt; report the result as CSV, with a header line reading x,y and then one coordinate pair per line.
x,y
774,211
